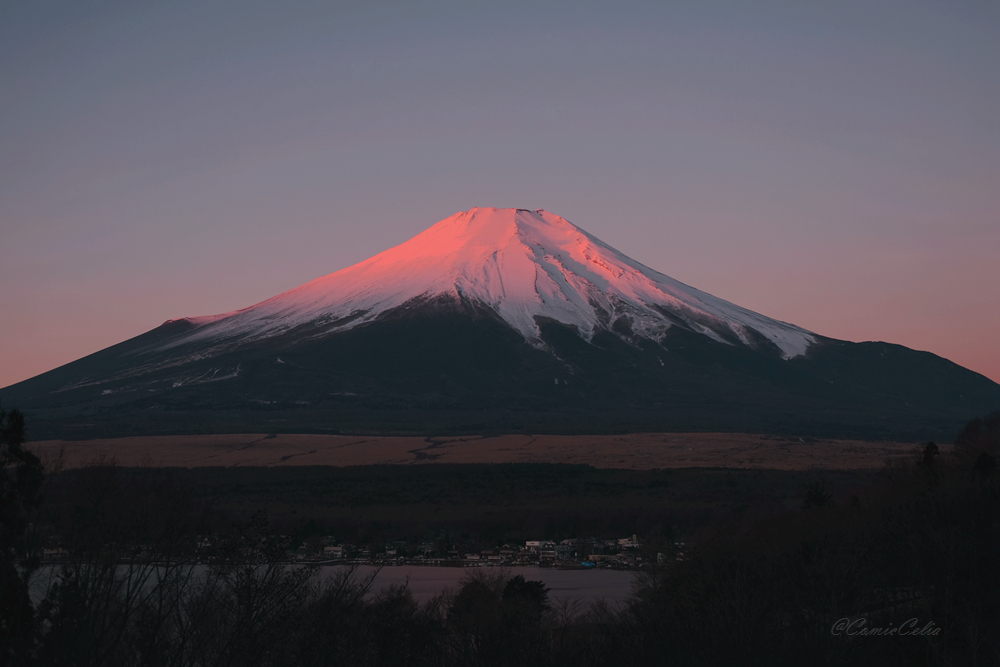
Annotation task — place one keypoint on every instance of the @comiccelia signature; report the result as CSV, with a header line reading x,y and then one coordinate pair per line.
x,y
858,628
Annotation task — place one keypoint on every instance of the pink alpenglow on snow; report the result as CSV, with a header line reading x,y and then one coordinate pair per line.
x,y
522,264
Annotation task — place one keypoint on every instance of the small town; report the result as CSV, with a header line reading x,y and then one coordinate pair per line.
x,y
622,553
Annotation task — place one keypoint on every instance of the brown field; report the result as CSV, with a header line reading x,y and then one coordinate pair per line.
x,y
638,451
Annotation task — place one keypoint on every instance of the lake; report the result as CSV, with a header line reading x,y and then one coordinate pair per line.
x,y
426,582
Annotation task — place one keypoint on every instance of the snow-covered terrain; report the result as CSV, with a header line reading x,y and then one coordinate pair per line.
x,y
522,264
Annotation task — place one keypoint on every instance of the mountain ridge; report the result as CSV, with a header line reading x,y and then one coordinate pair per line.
x,y
523,264
500,320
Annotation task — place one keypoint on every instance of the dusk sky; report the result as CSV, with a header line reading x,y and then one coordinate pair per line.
x,y
831,164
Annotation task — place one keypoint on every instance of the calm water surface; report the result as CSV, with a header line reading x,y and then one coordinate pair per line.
x,y
426,582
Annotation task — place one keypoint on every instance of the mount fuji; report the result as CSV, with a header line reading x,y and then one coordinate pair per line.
x,y
500,320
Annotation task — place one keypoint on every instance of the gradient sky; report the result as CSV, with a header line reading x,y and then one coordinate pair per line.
x,y
831,164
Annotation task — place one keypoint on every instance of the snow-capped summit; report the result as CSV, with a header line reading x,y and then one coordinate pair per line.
x,y
523,265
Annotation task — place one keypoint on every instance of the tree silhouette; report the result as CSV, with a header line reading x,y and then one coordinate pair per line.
x,y
816,495
930,452
20,494
531,597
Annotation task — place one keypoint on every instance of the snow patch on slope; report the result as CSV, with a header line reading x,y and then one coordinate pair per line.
x,y
522,264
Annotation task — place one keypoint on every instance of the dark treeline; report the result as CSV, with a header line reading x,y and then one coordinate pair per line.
x,y
469,507
922,542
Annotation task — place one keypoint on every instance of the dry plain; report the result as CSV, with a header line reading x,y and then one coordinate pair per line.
x,y
637,451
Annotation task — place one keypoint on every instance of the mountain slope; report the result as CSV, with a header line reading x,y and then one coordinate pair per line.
x,y
523,265
500,319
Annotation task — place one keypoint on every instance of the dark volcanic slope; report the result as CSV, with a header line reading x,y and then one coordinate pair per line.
x,y
455,366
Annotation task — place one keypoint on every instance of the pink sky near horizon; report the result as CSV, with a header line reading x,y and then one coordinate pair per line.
x,y
832,167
